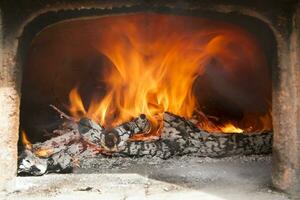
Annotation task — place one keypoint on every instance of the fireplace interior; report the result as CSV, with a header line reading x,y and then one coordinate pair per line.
x,y
208,72
174,98
114,68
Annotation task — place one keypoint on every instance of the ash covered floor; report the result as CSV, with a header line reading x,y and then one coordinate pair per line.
x,y
153,178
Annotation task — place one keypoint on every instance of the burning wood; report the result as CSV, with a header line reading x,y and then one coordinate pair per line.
x,y
56,144
74,138
179,136
65,160
115,139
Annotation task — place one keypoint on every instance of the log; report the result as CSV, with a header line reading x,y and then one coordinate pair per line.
x,y
75,141
110,140
114,140
62,161
90,131
180,136
56,144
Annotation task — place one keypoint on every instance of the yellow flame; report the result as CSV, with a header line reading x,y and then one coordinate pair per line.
x,y
230,128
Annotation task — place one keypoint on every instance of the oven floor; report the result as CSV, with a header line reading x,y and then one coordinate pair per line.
x,y
151,178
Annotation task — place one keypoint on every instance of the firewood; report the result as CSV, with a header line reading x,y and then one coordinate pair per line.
x,y
77,139
115,139
91,131
179,136
62,114
32,164
55,144
62,161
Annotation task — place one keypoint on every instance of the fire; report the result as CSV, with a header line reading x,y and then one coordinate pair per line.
x,y
230,128
76,109
26,143
43,152
154,63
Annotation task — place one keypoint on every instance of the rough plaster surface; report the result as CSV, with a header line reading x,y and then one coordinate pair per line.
x,y
9,110
286,109
8,131
9,107
232,178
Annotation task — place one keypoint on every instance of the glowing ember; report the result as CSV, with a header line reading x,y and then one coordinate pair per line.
x,y
155,61
43,152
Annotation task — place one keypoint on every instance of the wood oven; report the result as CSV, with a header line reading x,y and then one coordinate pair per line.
x,y
69,60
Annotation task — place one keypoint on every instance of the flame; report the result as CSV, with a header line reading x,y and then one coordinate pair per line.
x,y
154,62
230,128
41,152
26,143
76,109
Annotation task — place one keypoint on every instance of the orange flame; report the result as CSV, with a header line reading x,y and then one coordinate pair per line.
x,y
26,143
76,109
44,153
41,152
155,61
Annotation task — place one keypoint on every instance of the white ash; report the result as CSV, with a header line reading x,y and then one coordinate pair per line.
x,y
123,164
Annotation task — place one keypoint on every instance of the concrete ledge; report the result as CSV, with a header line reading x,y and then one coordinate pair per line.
x,y
178,178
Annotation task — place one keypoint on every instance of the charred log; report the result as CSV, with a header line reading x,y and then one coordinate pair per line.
x,y
63,161
56,144
115,139
76,140
180,137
